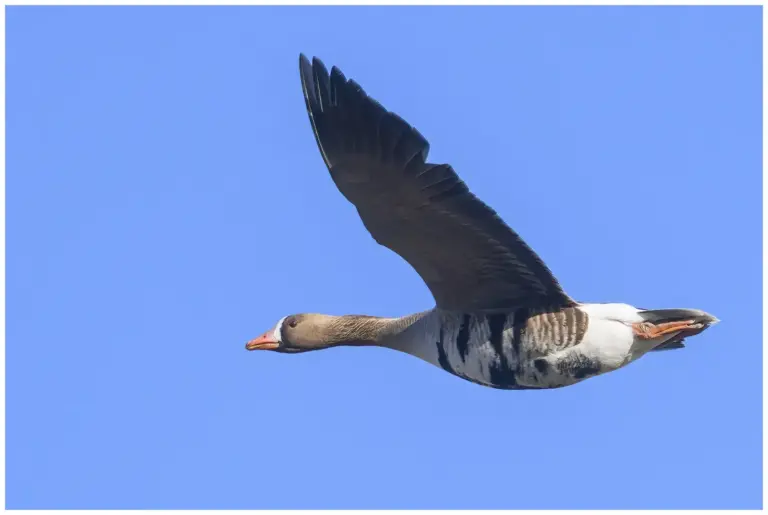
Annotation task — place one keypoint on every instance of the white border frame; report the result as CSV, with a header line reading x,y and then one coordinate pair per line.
x,y
342,2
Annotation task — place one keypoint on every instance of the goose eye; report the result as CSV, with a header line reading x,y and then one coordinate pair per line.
x,y
292,322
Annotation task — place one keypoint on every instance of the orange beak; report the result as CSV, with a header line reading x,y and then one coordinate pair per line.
x,y
264,342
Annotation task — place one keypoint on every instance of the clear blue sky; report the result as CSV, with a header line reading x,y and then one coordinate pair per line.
x,y
166,202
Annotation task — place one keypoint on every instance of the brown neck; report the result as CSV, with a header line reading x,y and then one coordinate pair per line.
x,y
363,330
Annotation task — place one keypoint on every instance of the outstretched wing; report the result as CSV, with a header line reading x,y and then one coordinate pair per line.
x,y
468,257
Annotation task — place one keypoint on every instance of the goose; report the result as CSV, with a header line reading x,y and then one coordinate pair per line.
x,y
501,318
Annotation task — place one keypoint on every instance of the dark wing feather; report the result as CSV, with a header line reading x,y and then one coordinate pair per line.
x,y
671,345
468,257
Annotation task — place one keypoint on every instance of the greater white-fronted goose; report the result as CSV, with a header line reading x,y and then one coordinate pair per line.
x,y
501,318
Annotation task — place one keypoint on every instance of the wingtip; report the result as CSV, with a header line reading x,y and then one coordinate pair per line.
x,y
318,67
337,76
305,69
316,61
304,62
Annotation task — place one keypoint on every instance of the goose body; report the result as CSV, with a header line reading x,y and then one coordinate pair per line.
x,y
508,350
501,318
517,350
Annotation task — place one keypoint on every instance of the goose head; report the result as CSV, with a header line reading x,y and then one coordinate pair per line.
x,y
312,331
294,333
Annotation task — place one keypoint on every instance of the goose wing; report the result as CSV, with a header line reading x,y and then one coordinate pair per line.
x,y
465,253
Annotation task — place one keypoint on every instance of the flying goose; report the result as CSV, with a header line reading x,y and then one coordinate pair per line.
x,y
501,319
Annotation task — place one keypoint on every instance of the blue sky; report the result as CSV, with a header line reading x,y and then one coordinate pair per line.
x,y
166,202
